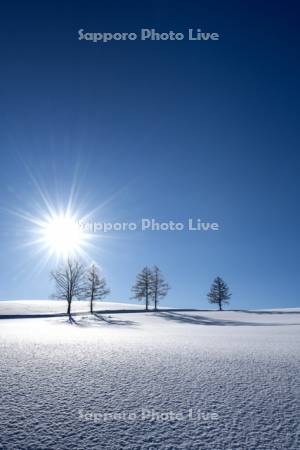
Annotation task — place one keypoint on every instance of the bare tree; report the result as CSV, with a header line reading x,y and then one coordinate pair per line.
x,y
95,286
219,293
142,290
160,287
69,279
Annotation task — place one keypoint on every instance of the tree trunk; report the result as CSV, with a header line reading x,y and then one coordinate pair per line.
x,y
69,307
91,307
220,306
147,301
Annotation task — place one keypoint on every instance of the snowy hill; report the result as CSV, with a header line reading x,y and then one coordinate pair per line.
x,y
173,379
41,307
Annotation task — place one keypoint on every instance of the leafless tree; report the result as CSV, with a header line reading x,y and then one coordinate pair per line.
x,y
95,286
69,278
142,290
159,288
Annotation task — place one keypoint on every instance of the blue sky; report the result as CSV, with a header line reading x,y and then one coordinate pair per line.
x,y
169,130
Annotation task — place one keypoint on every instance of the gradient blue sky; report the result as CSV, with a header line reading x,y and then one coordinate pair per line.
x,y
169,130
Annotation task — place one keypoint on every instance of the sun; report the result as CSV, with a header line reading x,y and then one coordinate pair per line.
x,y
55,229
57,233
62,235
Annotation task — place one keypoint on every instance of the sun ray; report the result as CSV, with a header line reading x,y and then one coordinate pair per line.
x,y
50,226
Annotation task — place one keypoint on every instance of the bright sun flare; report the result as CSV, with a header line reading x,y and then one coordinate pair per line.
x,y
63,235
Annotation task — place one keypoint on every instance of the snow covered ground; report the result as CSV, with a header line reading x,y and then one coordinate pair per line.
x,y
204,380
41,307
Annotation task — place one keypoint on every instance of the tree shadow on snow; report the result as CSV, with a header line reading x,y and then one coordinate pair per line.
x,y
201,320
71,320
97,320
266,312
111,321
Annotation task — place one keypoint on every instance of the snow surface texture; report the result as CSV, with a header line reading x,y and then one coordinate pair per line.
x,y
40,307
179,380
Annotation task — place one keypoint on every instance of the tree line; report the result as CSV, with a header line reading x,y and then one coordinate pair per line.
x,y
74,280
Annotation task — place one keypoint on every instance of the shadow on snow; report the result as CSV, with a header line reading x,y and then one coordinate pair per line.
x,y
96,319
201,320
